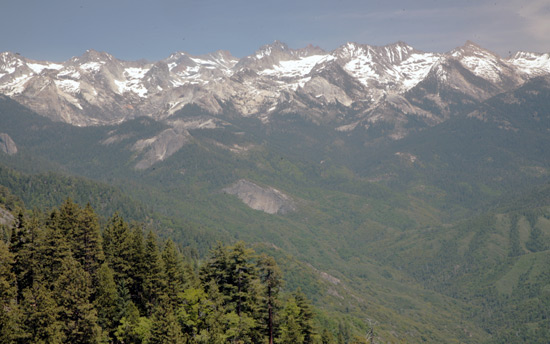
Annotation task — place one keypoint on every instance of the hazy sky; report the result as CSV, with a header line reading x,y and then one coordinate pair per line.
x,y
56,30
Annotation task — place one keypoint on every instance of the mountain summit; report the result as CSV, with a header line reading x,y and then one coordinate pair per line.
x,y
353,84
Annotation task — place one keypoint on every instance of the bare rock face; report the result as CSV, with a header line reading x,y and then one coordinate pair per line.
x,y
266,199
6,218
7,145
160,147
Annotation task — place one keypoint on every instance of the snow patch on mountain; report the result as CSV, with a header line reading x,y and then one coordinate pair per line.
x,y
532,64
16,85
39,67
92,66
67,85
415,68
296,68
133,82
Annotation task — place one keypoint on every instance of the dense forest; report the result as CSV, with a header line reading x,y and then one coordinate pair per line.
x,y
63,279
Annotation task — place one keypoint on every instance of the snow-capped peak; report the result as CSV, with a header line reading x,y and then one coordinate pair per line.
x,y
98,88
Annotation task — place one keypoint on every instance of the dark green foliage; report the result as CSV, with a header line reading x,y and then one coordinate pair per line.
x,y
154,278
173,271
72,292
40,322
117,243
58,284
165,328
47,190
8,296
106,298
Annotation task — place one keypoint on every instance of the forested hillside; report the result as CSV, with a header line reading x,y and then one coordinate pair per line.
x,y
64,279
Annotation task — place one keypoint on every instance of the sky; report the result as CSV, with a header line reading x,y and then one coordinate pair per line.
x,y
56,30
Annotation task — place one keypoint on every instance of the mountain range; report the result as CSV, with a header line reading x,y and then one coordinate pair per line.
x,y
400,189
354,85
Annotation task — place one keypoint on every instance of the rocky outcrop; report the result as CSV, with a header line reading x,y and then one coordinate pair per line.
x,y
266,199
7,145
6,218
160,147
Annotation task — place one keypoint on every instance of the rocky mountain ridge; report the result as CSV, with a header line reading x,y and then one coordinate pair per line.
x,y
356,85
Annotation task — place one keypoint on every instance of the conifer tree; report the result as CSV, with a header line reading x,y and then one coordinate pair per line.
x,y
67,218
173,270
86,240
106,298
138,267
72,293
291,329
154,279
39,316
52,251
8,293
270,276
306,316
236,277
23,245
117,248
214,330
165,327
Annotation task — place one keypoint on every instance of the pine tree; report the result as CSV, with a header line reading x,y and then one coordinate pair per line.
x,y
8,294
106,299
138,268
67,218
154,279
165,328
86,239
117,245
306,316
235,275
23,245
173,270
291,329
214,330
270,276
52,251
72,293
39,322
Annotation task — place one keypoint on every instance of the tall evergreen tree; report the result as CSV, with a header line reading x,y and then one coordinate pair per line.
x,y
154,279
72,293
138,267
235,275
291,329
53,249
306,316
8,296
106,299
39,316
67,218
165,328
173,270
86,238
23,245
270,276
117,243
